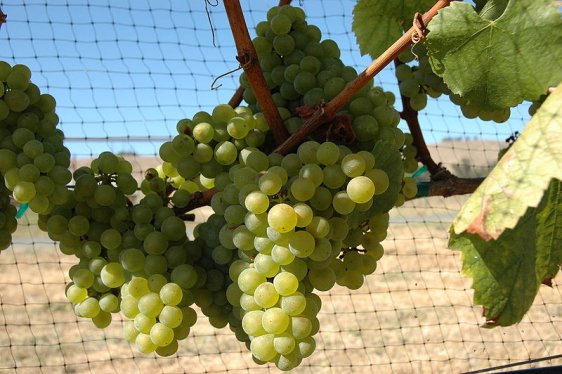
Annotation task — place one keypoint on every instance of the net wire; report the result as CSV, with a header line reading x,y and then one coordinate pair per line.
x,y
123,74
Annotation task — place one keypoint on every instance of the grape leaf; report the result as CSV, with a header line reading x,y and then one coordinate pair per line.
x,y
508,272
519,178
379,23
496,64
493,9
389,160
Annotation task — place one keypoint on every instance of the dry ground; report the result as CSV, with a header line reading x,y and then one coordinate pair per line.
x,y
415,314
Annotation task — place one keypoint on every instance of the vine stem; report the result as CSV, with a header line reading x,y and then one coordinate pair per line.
x,y
328,112
200,199
237,96
248,58
449,186
411,117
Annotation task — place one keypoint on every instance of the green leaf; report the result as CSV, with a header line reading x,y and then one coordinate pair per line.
x,y
379,23
508,272
549,232
498,63
389,160
520,177
493,9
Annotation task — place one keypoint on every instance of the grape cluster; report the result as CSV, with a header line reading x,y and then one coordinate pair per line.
x,y
134,258
33,160
302,70
208,144
285,226
418,82
282,226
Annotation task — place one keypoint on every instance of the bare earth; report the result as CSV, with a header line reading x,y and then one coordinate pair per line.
x,y
415,314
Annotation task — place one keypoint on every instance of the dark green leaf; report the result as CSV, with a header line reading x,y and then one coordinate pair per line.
x,y
498,63
379,23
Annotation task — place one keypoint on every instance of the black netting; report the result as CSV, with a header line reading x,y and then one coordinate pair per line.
x,y
123,73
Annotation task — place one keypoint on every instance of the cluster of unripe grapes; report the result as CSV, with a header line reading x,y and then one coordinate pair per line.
x,y
33,160
283,226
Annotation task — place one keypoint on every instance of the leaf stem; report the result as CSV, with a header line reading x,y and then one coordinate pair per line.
x,y
248,58
449,186
328,112
237,96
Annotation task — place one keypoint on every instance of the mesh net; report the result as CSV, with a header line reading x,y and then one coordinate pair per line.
x,y
123,74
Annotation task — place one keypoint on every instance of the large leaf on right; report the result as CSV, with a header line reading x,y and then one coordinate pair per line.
x,y
508,271
520,178
498,63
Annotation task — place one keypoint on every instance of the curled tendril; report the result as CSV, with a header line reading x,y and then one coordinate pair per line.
x,y
420,32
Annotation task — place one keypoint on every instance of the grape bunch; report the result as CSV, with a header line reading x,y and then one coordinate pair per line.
x,y
418,82
303,71
286,226
282,228
33,160
133,258
208,144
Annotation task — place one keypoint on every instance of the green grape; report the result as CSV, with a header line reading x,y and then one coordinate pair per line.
x,y
144,343
262,347
167,350
275,321
284,344
342,203
76,294
304,82
265,265
284,44
270,183
256,202
280,24
89,308
301,244
285,283
102,320
303,189
249,279
360,189
282,218
418,102
24,191
293,304
304,214
112,275
353,165
170,316
282,255
266,295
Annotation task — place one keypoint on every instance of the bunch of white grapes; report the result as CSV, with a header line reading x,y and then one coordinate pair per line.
x,y
33,160
283,226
